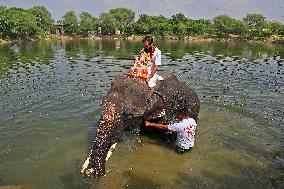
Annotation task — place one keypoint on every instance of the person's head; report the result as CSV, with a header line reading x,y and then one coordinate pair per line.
x,y
182,115
147,42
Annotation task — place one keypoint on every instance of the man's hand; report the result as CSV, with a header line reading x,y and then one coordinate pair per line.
x,y
147,123
148,79
155,69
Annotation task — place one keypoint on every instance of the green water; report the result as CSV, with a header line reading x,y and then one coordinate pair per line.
x,y
50,96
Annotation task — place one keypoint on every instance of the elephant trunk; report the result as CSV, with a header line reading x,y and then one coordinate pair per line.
x,y
107,135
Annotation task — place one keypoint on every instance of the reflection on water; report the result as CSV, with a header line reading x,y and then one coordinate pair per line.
x,y
50,93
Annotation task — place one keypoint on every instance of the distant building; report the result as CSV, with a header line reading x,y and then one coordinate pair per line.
x,y
100,31
59,29
117,31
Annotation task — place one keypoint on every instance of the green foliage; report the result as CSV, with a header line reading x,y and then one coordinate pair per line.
x,y
129,29
277,28
253,19
223,25
240,28
17,23
2,7
44,19
258,26
108,23
143,24
162,26
87,23
156,25
124,16
179,23
70,22
198,27
118,18
178,18
262,29
37,21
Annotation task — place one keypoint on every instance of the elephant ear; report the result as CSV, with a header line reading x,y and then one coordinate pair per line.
x,y
177,96
155,107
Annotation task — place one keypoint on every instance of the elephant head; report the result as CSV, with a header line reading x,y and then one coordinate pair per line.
x,y
128,104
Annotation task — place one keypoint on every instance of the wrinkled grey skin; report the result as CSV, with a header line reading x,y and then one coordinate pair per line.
x,y
128,104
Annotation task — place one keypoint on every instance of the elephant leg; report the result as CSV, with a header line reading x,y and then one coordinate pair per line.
x,y
136,132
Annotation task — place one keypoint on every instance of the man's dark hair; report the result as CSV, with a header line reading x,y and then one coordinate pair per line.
x,y
148,38
183,112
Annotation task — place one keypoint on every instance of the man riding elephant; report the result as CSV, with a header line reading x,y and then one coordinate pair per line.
x,y
146,65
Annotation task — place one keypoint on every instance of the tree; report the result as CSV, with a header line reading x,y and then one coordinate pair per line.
x,y
87,23
198,27
155,25
180,29
108,23
179,23
263,29
178,18
124,16
239,28
258,26
44,19
276,27
3,7
70,22
142,25
17,23
223,25
162,26
253,19
129,29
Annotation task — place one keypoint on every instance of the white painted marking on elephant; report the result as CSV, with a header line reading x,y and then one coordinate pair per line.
x,y
162,113
160,78
85,165
85,169
110,151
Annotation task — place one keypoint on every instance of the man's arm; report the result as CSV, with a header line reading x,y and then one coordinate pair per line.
x,y
157,125
155,69
158,58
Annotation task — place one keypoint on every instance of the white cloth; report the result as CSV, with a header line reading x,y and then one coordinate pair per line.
x,y
156,60
152,82
185,132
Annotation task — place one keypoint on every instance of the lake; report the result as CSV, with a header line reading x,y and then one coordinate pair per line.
x,y
50,96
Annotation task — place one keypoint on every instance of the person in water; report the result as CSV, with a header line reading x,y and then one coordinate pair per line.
x,y
185,129
146,65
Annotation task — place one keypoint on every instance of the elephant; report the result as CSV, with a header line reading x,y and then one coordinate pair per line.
x,y
128,104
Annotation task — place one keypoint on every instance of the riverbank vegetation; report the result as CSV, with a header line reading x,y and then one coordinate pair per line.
x,y
37,22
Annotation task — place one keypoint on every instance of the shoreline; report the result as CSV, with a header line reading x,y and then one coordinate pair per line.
x,y
272,40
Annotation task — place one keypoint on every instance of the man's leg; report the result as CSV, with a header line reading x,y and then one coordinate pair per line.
x,y
180,150
152,83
